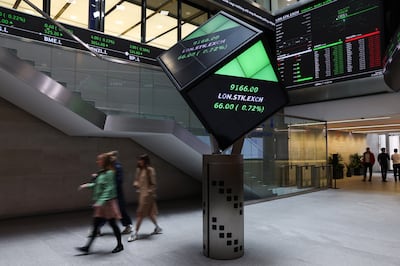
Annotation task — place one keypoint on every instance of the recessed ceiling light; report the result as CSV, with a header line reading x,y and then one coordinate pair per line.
x,y
96,14
159,26
164,12
73,17
359,120
360,127
29,11
119,22
120,7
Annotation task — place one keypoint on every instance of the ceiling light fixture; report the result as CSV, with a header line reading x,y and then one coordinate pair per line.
x,y
120,7
29,11
358,120
289,130
370,126
376,131
307,124
164,12
96,14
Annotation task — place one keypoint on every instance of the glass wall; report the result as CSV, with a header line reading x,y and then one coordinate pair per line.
x,y
286,155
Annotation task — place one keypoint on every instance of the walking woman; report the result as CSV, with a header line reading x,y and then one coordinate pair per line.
x,y
105,202
145,182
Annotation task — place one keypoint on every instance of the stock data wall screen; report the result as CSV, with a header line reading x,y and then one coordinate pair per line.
x,y
36,28
328,41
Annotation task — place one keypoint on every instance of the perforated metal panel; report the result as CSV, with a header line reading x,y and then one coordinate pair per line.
x,y
223,220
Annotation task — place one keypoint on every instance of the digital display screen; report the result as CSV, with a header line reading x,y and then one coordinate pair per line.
x,y
36,28
329,41
203,49
224,72
239,96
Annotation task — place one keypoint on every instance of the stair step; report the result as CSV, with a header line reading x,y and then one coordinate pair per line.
x,y
12,50
64,84
47,73
32,63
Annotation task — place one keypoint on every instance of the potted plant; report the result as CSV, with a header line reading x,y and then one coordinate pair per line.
x,y
355,164
337,166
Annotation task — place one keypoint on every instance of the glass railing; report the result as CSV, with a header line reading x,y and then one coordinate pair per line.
x,y
137,90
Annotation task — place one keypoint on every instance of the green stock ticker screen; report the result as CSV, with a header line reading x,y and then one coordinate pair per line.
x,y
201,51
231,89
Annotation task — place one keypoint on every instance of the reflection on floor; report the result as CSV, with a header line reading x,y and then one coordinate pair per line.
x,y
357,224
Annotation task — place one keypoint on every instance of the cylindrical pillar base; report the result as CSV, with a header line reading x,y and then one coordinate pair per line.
x,y
223,220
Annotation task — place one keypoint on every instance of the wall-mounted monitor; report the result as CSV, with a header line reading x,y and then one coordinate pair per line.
x,y
327,41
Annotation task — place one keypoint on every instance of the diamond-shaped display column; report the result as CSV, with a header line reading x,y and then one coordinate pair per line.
x,y
223,220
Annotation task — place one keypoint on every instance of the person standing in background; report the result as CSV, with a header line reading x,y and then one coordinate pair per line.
x,y
368,161
383,159
396,165
105,205
146,184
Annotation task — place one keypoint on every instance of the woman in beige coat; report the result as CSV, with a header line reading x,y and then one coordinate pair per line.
x,y
146,184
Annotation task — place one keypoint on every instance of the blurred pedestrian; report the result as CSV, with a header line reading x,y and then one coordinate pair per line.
x,y
105,205
146,184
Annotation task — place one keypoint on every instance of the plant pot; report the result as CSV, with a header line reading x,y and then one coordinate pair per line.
x,y
358,171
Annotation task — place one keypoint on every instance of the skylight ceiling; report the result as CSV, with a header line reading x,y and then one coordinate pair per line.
x,y
123,18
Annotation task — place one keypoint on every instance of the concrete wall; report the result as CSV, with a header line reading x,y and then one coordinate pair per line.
x,y
42,167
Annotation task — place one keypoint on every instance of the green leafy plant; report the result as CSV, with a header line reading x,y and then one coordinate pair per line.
x,y
355,160
336,168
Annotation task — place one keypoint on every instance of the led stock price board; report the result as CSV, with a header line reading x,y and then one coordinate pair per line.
x,y
239,96
231,89
328,41
36,28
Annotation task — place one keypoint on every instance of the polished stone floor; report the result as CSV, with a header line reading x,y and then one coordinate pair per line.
x,y
356,224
